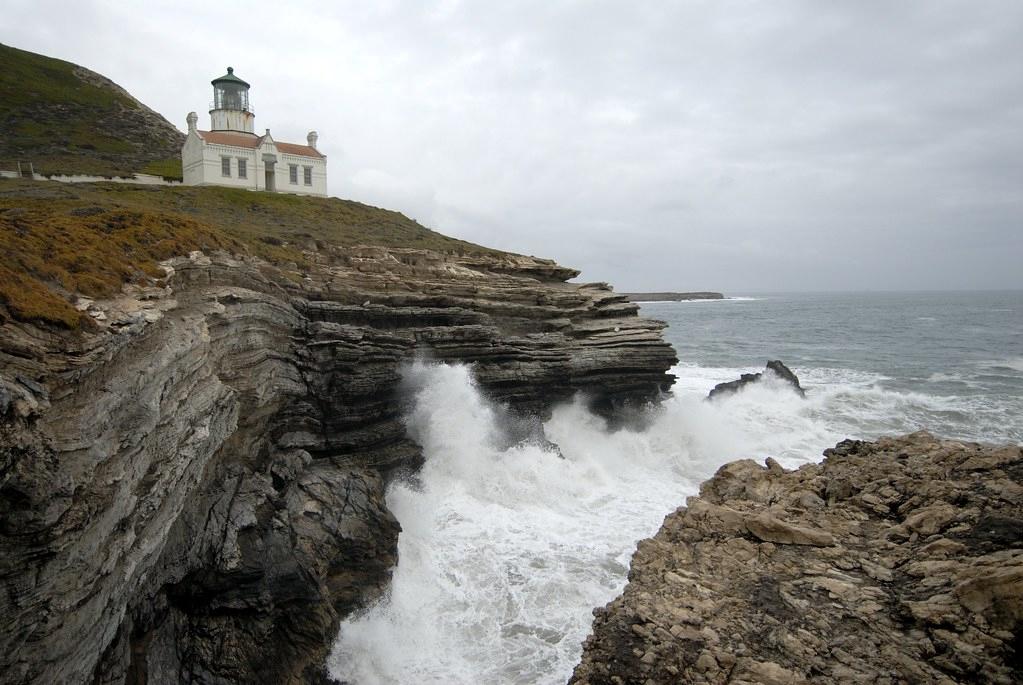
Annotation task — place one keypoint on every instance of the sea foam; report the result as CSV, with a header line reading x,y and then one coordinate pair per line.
x,y
506,550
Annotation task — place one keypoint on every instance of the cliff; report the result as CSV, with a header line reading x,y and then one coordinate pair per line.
x,y
191,485
896,561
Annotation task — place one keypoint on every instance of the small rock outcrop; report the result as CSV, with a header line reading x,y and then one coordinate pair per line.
x,y
895,561
776,367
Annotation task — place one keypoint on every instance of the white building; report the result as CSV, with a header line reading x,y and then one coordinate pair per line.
x,y
231,154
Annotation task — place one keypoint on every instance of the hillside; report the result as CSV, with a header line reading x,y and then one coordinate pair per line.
x,y
65,119
60,241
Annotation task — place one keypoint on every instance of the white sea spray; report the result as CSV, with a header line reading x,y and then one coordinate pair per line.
x,y
506,550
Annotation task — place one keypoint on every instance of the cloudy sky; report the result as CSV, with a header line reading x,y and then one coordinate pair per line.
x,y
735,146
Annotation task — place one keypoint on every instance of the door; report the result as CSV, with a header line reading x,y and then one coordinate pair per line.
x,y
270,164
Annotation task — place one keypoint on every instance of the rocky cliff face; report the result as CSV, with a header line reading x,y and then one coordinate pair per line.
x,y
896,561
194,491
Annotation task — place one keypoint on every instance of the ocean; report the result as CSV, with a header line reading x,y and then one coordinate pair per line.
x,y
505,551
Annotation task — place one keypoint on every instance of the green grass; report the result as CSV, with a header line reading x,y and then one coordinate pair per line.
x,y
57,240
69,163
73,137
170,168
28,79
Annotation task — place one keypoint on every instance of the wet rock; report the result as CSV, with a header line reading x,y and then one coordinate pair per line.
x,y
910,571
775,367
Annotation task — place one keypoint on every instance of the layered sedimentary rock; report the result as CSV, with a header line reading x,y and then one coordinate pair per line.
x,y
896,561
193,492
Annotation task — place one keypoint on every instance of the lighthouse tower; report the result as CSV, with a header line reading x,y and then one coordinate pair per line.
x,y
230,110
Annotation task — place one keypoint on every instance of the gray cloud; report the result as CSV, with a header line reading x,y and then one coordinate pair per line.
x,y
724,145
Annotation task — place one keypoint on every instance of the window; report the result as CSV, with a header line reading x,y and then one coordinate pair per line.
x,y
243,171
307,175
225,166
293,174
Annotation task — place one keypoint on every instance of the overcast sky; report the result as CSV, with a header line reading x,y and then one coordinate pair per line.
x,y
735,146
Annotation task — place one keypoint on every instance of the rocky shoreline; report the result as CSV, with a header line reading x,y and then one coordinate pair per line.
x,y
895,561
193,491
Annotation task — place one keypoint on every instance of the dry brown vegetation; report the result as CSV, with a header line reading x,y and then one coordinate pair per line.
x,y
58,240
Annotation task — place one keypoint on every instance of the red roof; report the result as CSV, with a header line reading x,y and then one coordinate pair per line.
x,y
252,141
293,149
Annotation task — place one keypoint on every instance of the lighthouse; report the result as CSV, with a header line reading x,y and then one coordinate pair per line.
x,y
232,154
230,109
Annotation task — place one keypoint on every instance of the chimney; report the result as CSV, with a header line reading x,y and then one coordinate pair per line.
x,y
192,120
312,138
